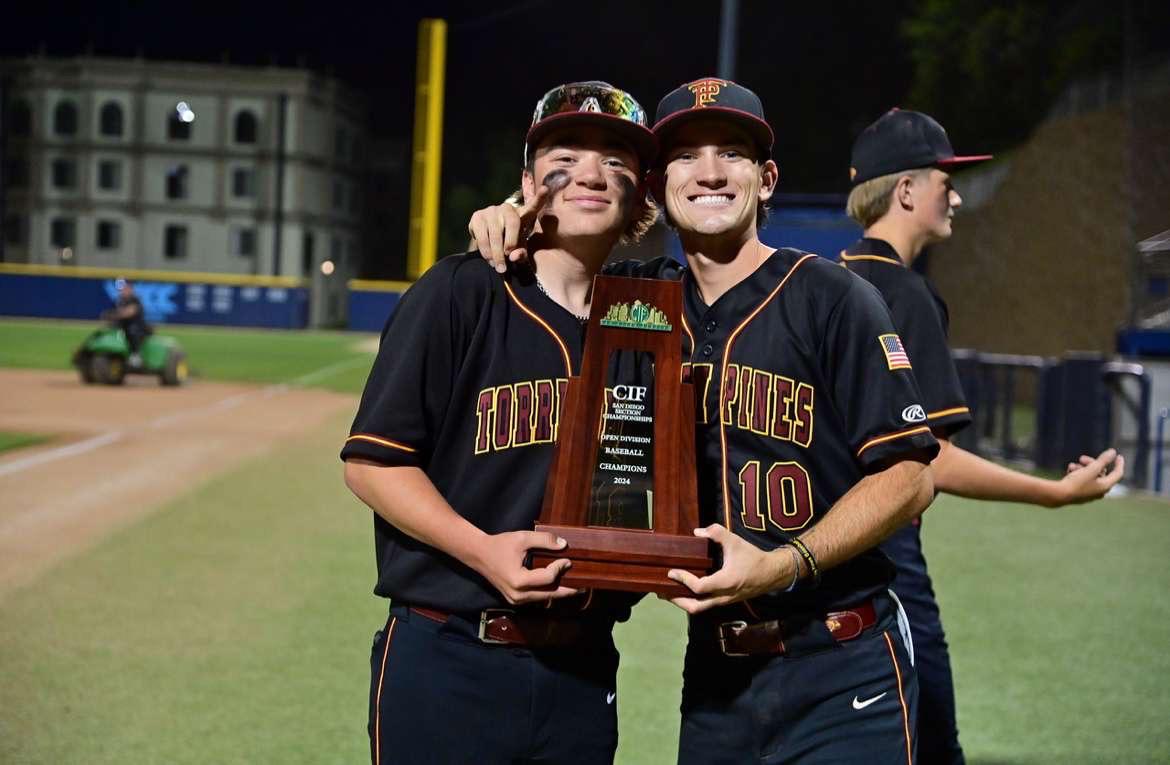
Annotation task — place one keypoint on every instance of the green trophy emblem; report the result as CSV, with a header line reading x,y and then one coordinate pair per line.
x,y
638,315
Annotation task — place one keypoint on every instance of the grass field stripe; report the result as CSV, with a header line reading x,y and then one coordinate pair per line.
x,y
330,370
891,436
378,698
723,378
81,447
70,450
902,699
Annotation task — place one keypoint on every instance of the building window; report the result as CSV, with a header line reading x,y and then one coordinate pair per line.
x,y
243,182
20,119
179,123
109,174
338,195
14,230
175,241
341,142
177,182
109,235
110,119
245,127
65,118
62,232
16,173
64,173
244,242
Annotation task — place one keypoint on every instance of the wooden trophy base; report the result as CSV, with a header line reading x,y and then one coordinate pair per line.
x,y
623,559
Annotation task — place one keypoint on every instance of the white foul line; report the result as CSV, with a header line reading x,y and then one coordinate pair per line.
x,y
96,442
70,450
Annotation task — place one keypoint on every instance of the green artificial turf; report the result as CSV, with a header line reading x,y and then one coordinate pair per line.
x,y
234,626
213,353
11,440
1058,623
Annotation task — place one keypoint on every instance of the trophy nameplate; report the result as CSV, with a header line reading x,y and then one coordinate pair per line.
x,y
622,488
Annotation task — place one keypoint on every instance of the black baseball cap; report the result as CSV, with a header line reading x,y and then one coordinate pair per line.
x,y
903,140
712,95
594,102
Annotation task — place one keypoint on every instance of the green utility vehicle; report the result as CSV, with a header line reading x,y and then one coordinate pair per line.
x,y
105,358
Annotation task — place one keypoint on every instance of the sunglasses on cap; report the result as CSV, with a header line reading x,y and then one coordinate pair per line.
x,y
597,102
589,97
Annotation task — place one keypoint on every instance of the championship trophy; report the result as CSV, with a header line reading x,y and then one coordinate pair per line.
x,y
622,487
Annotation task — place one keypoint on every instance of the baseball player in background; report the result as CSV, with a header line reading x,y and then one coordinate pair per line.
x,y
810,452
903,198
483,660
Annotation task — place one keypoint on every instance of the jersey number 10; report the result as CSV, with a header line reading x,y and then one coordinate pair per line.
x,y
787,496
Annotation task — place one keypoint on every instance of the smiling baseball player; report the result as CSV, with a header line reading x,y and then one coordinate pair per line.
x,y
812,447
451,448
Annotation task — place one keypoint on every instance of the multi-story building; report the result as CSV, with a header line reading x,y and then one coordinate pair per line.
x,y
129,163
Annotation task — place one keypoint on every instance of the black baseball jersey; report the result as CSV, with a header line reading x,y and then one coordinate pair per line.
x,y
923,321
802,388
467,386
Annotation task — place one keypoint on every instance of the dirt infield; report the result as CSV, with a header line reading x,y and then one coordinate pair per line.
x,y
120,452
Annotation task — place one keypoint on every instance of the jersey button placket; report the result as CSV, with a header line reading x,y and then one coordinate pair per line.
x,y
709,326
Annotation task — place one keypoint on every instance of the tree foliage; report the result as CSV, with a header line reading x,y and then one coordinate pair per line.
x,y
990,71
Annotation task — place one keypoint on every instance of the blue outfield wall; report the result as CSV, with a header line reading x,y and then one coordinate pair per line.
x,y
372,302
62,292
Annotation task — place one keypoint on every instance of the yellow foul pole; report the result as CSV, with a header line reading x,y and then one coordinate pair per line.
x,y
427,155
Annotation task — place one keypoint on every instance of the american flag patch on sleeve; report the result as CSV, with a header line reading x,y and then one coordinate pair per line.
x,y
896,357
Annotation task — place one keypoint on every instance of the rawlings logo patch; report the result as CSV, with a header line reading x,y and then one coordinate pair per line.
x,y
914,413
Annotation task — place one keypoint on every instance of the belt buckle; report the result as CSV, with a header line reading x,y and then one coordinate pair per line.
x,y
486,616
736,625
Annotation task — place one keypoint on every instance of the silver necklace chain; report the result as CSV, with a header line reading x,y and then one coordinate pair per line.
x,y
583,319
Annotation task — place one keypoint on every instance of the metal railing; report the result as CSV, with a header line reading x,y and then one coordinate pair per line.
x,y
1073,406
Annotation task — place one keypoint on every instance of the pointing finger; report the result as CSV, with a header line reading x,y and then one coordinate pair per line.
x,y
530,210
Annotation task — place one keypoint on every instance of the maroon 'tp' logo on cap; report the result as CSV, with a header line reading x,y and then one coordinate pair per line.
x,y
705,91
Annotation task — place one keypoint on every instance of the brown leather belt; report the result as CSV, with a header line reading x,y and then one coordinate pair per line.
x,y
742,638
505,626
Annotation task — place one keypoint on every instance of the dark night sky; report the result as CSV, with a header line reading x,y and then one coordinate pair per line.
x,y
824,70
